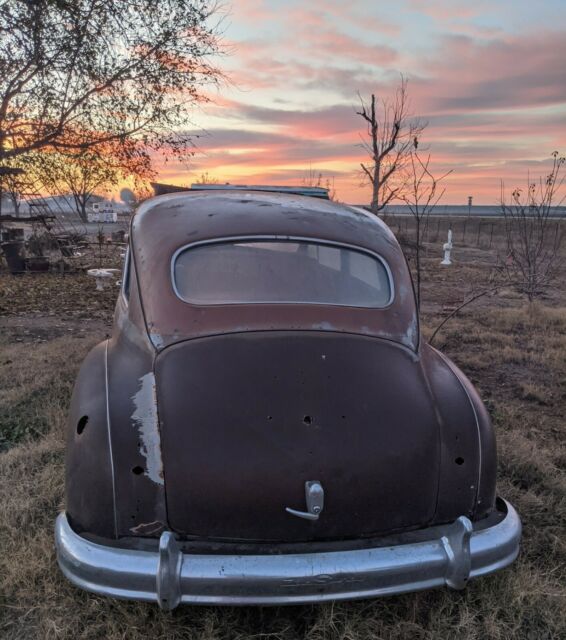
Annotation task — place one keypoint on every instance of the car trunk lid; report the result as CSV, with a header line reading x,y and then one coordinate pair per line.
x,y
248,419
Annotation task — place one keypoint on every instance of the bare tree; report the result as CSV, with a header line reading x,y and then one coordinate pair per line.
x,y
122,69
392,134
533,244
206,178
422,194
314,178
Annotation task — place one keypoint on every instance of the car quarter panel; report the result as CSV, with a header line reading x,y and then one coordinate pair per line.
x,y
89,470
468,458
486,491
136,441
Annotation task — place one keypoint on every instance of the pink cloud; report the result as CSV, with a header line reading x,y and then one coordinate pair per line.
x,y
333,42
495,100
504,73
445,10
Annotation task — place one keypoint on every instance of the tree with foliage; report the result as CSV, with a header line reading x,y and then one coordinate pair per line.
x,y
12,184
391,136
85,172
118,70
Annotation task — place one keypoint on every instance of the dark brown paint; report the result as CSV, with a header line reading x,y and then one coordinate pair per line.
x,y
249,410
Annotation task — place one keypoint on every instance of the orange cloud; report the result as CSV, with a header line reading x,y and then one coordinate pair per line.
x,y
495,101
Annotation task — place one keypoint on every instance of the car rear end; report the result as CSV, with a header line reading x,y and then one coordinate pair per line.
x,y
305,453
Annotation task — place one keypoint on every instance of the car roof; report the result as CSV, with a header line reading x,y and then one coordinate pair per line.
x,y
167,223
205,215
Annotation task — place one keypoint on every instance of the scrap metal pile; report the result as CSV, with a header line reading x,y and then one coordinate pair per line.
x,y
45,234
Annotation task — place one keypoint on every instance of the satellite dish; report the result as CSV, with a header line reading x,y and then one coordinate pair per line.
x,y
127,196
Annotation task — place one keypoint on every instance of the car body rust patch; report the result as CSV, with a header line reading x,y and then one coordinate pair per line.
x,y
145,419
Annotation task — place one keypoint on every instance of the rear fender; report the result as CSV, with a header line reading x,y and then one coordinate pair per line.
x,y
89,474
113,457
468,456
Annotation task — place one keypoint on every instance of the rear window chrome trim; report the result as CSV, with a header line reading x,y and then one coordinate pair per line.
x,y
282,238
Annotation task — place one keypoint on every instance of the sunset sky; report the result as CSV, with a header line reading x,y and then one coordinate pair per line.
x,y
489,76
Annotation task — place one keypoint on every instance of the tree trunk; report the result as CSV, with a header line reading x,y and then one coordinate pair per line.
x,y
375,191
80,206
418,263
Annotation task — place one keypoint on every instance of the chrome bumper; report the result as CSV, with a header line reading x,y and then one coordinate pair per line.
x,y
170,577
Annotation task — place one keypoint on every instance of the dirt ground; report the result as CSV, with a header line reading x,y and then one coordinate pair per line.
x,y
513,352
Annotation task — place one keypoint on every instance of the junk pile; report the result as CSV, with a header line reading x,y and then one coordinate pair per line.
x,y
42,234
26,247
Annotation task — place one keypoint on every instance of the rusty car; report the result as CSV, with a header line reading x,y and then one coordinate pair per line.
x,y
266,424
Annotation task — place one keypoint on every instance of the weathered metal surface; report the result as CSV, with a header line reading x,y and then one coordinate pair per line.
x,y
486,465
209,420
449,556
140,496
168,579
456,542
247,419
119,403
165,224
89,483
461,441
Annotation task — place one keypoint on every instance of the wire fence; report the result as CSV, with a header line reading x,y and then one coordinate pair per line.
x,y
481,233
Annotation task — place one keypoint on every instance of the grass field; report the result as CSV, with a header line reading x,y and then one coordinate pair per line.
x,y
514,353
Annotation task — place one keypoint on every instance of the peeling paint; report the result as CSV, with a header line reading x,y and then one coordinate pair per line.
x,y
410,336
145,418
156,339
148,528
325,326
404,292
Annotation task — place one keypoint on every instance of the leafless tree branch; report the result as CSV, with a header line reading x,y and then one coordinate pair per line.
x,y
391,134
533,258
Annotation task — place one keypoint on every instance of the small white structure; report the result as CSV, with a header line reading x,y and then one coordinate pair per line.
x,y
102,276
447,246
102,212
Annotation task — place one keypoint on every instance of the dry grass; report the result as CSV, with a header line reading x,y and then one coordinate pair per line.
x,y
516,356
35,381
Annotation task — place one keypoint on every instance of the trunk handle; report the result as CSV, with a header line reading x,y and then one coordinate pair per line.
x,y
314,496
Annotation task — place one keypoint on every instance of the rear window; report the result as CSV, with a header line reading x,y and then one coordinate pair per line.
x,y
280,271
